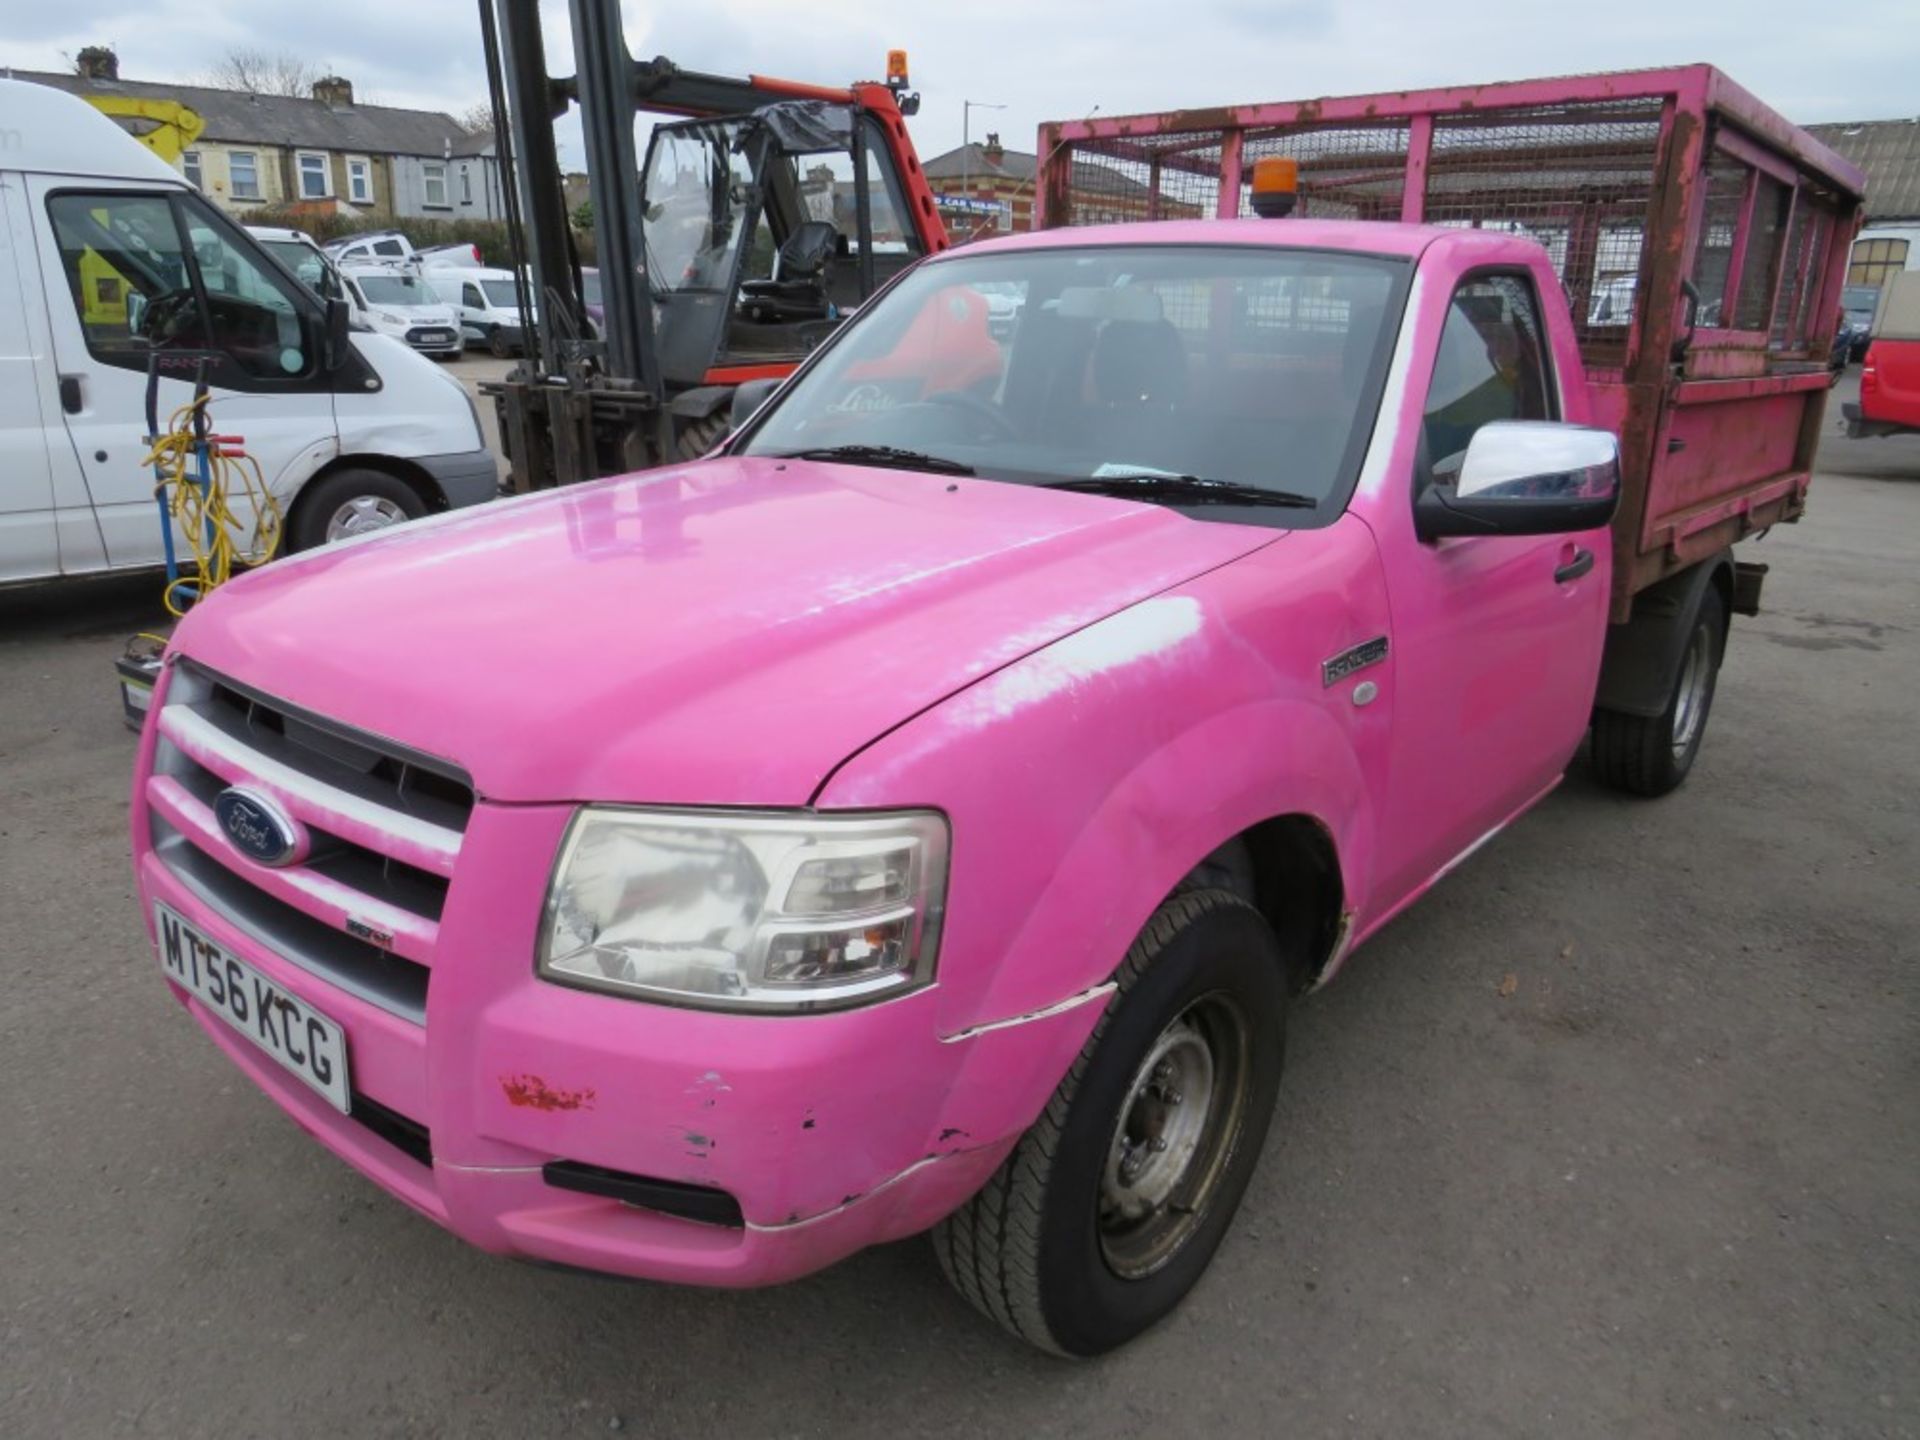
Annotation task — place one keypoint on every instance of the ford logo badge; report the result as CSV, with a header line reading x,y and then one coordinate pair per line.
x,y
258,828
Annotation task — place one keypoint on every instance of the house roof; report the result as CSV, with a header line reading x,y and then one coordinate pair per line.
x,y
1889,152
970,162
235,117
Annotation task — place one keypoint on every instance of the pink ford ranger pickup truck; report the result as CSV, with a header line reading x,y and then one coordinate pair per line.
x,y
918,815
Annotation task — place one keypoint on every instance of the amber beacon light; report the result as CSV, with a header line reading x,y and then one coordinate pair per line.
x,y
1276,186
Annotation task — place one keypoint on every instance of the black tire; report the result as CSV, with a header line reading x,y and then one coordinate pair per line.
x,y
1649,755
321,501
698,437
498,344
1034,1250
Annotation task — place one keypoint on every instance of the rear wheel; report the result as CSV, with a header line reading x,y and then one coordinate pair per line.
x,y
1110,1207
1650,755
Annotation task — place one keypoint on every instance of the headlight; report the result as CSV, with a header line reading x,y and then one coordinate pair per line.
x,y
758,912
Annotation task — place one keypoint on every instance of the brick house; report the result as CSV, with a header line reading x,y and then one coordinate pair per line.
x,y
317,154
986,189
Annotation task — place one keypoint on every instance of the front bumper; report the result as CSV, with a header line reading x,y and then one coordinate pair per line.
x,y
467,478
832,1132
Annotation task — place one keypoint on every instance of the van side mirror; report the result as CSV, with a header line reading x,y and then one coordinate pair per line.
x,y
1525,477
749,396
337,344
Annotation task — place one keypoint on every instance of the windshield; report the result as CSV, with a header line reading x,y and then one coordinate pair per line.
x,y
501,294
1258,366
697,188
395,290
1859,299
299,257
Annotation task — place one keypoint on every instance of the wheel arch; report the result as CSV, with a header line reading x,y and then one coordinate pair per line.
x,y
1642,656
414,477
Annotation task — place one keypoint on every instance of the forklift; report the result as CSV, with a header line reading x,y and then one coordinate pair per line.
x,y
762,217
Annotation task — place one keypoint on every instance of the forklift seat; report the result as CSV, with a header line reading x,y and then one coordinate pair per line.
x,y
798,290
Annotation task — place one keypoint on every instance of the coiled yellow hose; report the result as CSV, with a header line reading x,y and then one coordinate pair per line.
x,y
216,538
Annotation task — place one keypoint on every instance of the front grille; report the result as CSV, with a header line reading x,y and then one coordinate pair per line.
x,y
362,909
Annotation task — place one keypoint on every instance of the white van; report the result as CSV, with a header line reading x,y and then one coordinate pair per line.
x,y
110,260
396,301
487,301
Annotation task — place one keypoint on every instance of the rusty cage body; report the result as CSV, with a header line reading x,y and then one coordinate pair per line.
x,y
1701,240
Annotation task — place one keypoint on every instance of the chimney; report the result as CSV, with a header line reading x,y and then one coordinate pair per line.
x,y
98,62
334,92
994,153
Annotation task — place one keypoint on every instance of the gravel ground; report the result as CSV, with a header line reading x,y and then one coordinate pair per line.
x,y
1615,1134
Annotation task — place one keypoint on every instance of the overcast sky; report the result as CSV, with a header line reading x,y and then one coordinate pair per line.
x,y
1047,59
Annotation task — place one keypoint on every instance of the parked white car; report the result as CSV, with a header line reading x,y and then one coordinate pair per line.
x,y
111,261
295,249
488,302
398,302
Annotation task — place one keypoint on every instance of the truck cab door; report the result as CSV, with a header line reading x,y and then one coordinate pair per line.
x,y
132,273
1496,638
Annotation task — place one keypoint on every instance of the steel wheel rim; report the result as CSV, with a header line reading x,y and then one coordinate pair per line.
x,y
1176,1132
1690,701
362,515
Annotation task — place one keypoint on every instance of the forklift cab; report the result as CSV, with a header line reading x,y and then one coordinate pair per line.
x,y
764,230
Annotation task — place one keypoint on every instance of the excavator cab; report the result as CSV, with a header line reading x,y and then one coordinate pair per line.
x,y
763,231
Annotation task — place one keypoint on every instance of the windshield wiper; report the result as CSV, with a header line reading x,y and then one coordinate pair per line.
x,y
880,455
1183,489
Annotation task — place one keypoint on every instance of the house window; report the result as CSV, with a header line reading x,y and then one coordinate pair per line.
x,y
190,167
433,174
1875,260
243,174
360,181
466,185
315,183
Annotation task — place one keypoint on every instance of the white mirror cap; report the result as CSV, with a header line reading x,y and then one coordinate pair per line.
x,y
1538,459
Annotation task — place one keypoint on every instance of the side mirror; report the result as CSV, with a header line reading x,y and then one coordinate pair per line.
x,y
337,344
748,397
1525,477
136,312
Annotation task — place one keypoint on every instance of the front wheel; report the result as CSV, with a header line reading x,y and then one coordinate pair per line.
x,y
1110,1207
351,502
1649,755
499,343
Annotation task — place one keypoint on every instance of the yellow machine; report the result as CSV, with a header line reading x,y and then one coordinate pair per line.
x,y
165,127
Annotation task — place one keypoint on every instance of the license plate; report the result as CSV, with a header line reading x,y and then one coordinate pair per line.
x,y
298,1037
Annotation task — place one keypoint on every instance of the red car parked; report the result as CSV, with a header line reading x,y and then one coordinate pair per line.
x,y
1890,379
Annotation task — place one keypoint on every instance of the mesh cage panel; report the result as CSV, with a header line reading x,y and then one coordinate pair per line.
x,y
1726,184
1766,240
1173,176
1347,172
1789,330
1578,177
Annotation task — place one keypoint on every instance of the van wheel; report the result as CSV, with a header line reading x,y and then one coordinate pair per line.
x,y
351,502
1650,755
498,345
1111,1205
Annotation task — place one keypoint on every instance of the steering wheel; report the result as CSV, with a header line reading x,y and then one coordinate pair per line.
x,y
168,314
966,400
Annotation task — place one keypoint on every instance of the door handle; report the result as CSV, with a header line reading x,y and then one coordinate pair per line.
x,y
71,400
1573,569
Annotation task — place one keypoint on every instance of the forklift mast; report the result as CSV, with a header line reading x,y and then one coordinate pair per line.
x,y
815,190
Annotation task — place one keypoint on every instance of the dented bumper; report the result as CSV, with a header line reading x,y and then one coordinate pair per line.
x,y
831,1132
